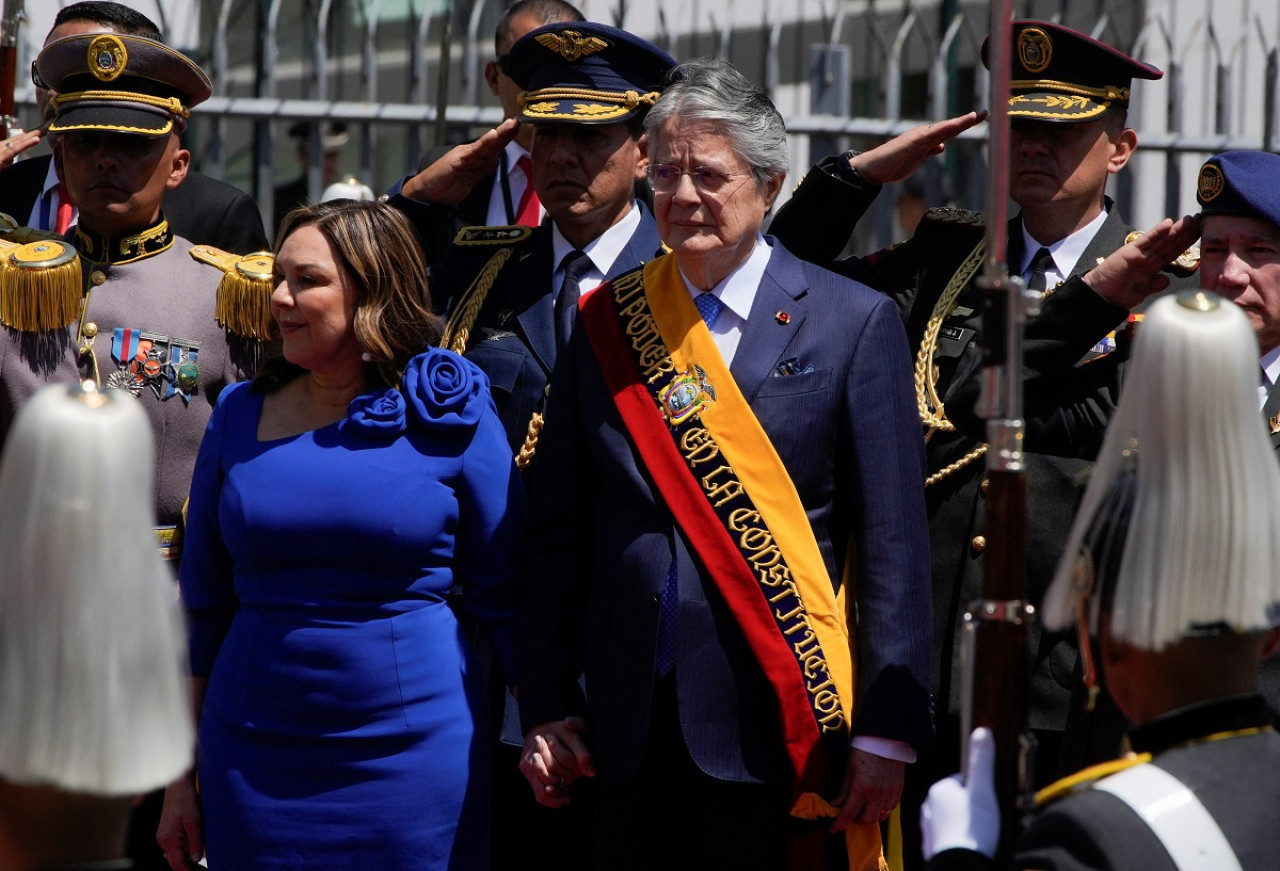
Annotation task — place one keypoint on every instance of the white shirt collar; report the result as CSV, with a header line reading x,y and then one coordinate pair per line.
x,y
737,290
1066,252
1270,364
603,250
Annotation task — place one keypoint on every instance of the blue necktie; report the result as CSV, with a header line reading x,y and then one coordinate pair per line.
x,y
575,266
709,306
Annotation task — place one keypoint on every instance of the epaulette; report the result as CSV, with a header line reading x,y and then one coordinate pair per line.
x,y
492,235
1086,778
244,294
948,215
40,284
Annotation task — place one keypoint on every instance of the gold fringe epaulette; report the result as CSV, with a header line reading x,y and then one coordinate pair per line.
x,y
948,215
492,235
1087,777
244,294
40,284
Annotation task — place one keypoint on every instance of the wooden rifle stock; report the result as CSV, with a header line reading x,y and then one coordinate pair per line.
x,y
9,20
996,625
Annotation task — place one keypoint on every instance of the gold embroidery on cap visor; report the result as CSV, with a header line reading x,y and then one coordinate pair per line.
x,y
1065,102
1210,184
1035,50
579,104
107,57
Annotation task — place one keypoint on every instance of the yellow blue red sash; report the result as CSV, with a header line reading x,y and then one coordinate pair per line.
x,y
732,496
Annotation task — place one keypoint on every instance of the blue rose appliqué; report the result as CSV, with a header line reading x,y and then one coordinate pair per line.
x,y
444,390
380,414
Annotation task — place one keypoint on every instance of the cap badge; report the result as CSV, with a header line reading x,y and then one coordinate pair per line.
x,y
1210,183
107,57
572,45
1035,50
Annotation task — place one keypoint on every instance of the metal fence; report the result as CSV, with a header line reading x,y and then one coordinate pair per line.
x,y
408,74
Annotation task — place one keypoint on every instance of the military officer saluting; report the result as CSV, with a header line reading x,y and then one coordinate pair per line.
x,y
512,291
1069,96
1180,598
121,300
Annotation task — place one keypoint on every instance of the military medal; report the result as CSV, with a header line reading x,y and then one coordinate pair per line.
x,y
181,372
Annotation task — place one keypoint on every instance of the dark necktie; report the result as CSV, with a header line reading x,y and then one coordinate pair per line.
x,y
709,306
1040,264
575,265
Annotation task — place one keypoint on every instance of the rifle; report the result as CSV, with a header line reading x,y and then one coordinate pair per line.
x,y
995,634
9,21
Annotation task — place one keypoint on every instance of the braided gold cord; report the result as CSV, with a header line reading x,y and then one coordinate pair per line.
x,y
458,329
932,413
524,456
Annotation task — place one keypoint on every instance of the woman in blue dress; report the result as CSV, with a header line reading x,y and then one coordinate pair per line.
x,y
348,507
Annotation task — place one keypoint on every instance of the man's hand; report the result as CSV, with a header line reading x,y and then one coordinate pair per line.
x,y
901,156
1132,273
555,755
15,145
871,789
449,180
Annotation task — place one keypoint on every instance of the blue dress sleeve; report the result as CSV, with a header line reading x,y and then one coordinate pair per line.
x,y
206,573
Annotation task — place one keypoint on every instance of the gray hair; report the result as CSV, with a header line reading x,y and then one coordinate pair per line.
x,y
706,89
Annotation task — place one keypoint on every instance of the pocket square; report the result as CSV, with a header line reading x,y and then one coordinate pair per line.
x,y
790,366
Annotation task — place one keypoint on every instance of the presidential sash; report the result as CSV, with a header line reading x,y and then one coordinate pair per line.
x,y
732,496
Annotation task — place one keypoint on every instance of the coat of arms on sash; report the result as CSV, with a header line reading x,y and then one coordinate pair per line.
x,y
685,395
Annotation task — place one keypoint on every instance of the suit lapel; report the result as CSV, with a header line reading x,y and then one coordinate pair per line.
x,y
766,337
531,273
1110,236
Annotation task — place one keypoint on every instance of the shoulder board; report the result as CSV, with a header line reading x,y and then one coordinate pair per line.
x,y
244,294
40,284
1086,778
947,215
11,230
492,235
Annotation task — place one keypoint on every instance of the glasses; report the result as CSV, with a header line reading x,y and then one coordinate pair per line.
x,y
37,80
666,178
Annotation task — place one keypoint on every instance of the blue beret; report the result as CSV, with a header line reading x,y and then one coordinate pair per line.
x,y
121,83
1059,74
586,73
1241,183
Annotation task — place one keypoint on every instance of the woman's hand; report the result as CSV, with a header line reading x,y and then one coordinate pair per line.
x,y
181,831
555,755
15,145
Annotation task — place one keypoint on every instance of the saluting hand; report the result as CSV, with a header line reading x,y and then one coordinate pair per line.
x,y
451,178
1132,273
15,145
901,156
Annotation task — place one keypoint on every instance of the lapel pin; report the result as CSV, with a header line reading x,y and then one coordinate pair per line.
x,y
504,317
1274,424
782,318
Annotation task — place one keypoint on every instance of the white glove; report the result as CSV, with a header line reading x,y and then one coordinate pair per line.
x,y
965,815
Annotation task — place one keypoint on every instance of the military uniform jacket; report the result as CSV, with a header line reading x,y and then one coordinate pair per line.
x,y
159,312
1224,751
513,337
915,274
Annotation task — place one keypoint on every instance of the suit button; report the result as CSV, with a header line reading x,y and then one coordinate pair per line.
x,y
979,543
986,485
97,278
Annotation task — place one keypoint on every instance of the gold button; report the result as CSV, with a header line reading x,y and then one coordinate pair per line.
x,y
97,278
986,485
90,330
979,543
